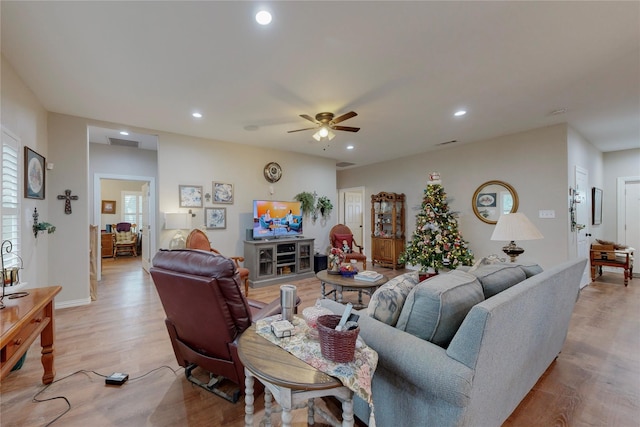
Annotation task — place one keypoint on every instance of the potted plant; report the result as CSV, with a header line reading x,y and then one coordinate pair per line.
x,y
324,206
307,201
42,226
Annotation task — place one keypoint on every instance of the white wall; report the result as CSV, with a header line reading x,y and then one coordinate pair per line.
x,y
533,162
23,115
186,160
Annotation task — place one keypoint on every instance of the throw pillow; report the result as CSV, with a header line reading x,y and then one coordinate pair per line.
x,y
387,301
495,278
338,238
435,308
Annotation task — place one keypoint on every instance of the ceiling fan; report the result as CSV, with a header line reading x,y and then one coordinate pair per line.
x,y
325,123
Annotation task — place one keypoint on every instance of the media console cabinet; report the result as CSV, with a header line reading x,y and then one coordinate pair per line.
x,y
278,260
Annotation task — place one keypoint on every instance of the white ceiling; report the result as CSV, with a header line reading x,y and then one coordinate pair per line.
x,y
404,67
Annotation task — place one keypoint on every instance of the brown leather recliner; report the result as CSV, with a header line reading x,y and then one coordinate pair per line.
x,y
206,314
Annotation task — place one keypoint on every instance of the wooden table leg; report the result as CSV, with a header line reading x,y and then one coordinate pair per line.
x,y
47,342
347,413
248,398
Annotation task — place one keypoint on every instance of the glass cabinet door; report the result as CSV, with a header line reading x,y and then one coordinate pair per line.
x,y
265,261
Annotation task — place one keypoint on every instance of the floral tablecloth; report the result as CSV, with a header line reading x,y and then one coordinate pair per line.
x,y
355,375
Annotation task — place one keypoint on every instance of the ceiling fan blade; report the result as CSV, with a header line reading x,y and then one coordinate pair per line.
x,y
347,128
344,117
308,117
300,130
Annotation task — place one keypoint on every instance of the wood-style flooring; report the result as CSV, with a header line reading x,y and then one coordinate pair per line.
x,y
594,382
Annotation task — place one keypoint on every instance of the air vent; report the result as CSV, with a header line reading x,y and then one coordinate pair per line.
x,y
344,164
124,142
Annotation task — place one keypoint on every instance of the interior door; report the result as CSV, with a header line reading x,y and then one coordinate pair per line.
x,y
146,228
632,219
352,203
582,220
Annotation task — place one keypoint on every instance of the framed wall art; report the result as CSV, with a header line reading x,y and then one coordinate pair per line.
x,y
190,196
215,218
108,206
596,208
34,176
222,192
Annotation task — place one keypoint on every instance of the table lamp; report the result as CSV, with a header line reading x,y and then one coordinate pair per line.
x,y
512,227
177,221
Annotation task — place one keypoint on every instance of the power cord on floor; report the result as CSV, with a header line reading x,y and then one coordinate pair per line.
x,y
82,371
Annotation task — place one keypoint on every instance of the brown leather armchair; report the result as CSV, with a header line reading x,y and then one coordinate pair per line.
x,y
340,233
206,314
197,239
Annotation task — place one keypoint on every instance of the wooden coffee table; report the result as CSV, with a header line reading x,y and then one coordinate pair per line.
x,y
287,379
343,284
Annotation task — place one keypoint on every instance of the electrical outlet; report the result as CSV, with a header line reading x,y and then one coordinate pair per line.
x,y
547,214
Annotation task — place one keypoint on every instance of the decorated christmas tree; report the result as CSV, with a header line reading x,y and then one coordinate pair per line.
x,y
436,243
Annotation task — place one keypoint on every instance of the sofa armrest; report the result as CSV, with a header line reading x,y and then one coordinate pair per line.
x,y
413,359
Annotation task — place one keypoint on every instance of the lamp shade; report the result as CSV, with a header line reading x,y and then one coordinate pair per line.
x,y
177,221
515,226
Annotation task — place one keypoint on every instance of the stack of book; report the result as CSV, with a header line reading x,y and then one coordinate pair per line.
x,y
368,276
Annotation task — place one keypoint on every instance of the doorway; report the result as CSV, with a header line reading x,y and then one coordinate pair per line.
x,y
351,212
147,189
628,213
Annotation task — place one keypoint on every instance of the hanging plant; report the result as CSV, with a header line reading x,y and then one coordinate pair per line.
x,y
324,206
307,201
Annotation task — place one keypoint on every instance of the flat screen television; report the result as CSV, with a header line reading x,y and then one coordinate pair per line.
x,y
276,219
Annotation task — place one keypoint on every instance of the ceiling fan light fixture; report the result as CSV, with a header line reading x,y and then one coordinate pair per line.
x,y
317,136
323,132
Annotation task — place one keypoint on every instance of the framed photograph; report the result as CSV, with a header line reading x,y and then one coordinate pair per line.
x,y
215,218
108,206
190,196
486,200
34,177
222,192
596,207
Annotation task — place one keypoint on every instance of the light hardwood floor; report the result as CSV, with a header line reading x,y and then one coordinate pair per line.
x,y
594,382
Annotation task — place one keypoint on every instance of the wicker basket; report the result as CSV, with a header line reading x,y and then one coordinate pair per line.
x,y
338,346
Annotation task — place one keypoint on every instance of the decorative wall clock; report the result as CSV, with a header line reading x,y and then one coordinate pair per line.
x,y
272,172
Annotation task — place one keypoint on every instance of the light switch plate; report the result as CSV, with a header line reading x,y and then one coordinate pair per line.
x,y
546,214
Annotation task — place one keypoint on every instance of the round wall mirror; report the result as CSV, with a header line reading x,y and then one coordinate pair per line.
x,y
492,199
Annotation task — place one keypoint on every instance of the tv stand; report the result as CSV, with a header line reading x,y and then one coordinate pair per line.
x,y
276,261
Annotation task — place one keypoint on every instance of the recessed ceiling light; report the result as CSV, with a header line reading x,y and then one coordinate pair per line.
x,y
197,115
124,132
263,17
460,113
350,147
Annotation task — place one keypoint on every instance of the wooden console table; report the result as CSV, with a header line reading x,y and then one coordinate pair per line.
x,y
21,321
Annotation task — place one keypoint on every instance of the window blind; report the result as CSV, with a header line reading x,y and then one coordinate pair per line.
x,y
10,218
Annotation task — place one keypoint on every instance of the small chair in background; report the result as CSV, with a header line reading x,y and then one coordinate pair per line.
x,y
340,233
197,239
126,239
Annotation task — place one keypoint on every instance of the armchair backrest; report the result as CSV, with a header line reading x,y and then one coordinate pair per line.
x,y
338,233
124,226
197,239
200,293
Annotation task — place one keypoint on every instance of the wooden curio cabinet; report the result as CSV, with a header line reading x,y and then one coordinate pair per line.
x,y
387,229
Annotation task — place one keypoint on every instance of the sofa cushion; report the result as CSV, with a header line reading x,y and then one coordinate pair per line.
x,y
529,268
387,301
436,307
495,278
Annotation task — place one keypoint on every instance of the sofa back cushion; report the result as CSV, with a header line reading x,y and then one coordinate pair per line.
x,y
495,278
436,307
387,301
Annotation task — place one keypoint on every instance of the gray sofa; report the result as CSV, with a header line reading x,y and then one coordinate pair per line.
x,y
488,356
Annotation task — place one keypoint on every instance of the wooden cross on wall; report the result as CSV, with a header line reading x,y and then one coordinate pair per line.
x,y
67,200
